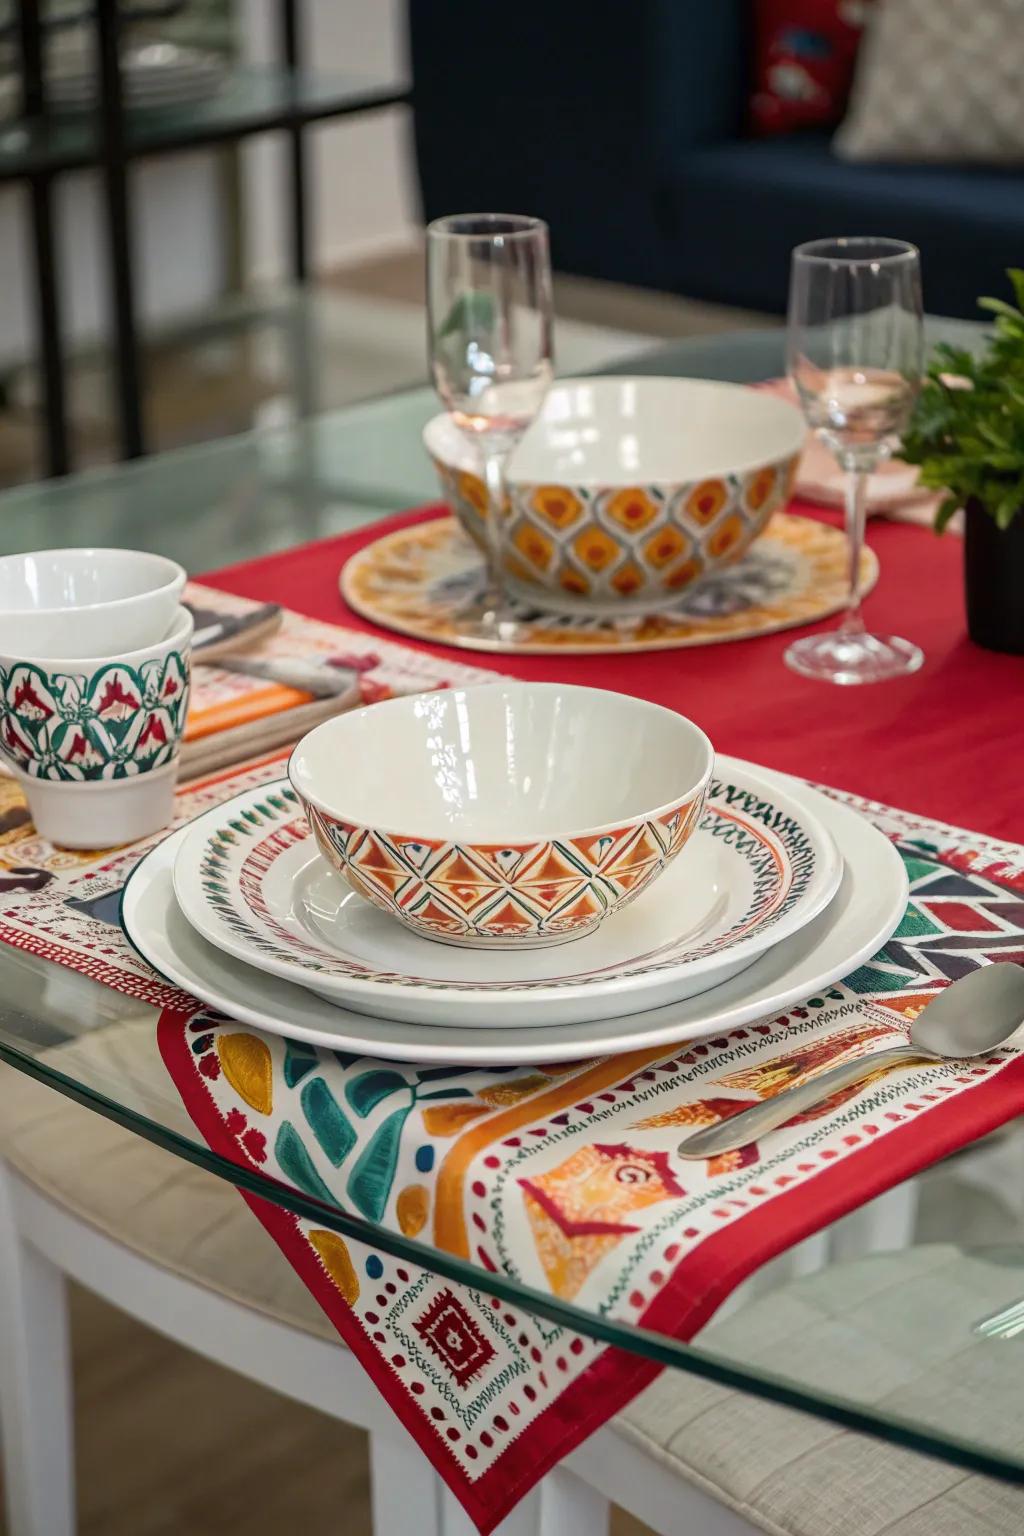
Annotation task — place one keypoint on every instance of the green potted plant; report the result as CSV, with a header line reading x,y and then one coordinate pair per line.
x,y
967,437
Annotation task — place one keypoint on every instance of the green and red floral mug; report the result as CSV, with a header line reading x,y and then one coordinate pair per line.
x,y
95,742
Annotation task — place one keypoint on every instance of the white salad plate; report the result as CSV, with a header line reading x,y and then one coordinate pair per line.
x,y
759,866
864,913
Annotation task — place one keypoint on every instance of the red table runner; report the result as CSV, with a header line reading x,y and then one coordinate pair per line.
x,y
504,1166
943,742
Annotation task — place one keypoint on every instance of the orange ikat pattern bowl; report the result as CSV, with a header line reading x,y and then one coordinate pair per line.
x,y
507,815
626,491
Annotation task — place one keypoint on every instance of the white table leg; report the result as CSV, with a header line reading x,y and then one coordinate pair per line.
x,y
561,1505
405,1491
35,1385
409,1499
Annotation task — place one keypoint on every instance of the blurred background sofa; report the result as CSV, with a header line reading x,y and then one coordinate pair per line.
x,y
624,123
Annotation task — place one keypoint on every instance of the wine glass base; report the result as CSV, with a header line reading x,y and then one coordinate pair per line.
x,y
847,659
487,617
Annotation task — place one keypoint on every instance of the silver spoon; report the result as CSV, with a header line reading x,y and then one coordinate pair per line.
x,y
970,1018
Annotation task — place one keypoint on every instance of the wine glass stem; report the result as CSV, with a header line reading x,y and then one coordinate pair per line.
x,y
856,510
494,475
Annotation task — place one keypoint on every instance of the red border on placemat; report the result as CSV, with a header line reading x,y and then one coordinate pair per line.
x,y
698,1285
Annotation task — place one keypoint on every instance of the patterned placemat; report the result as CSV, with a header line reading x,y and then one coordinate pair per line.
x,y
567,1177
428,581
564,1177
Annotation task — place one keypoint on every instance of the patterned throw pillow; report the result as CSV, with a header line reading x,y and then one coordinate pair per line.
x,y
939,80
804,57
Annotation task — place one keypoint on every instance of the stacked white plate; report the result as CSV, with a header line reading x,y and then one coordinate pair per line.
x,y
779,893
153,75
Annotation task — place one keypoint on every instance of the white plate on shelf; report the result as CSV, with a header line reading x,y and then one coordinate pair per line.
x,y
760,865
865,911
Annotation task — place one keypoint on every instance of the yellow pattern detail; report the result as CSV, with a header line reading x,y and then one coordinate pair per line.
x,y
684,574
706,500
449,1119
413,1209
596,549
629,579
632,509
683,1114
726,537
665,546
556,504
534,546
472,490
334,1256
759,488
246,1064
500,1094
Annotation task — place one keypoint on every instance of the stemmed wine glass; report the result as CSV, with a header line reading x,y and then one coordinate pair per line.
x,y
489,317
855,356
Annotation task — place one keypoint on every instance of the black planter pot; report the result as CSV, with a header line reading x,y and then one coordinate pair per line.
x,y
994,581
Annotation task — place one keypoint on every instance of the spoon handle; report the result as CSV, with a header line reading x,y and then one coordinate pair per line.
x,y
753,1123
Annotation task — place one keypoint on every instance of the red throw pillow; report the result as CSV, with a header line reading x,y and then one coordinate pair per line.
x,y
804,57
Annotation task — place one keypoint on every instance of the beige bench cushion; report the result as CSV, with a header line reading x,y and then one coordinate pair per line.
x,y
788,1473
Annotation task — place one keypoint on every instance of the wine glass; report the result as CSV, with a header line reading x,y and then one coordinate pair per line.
x,y
489,317
855,356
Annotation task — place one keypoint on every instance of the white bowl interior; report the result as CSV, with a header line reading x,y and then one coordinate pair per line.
x,y
55,580
443,440
629,431
501,763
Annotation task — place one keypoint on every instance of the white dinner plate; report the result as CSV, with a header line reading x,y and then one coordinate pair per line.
x,y
865,911
760,864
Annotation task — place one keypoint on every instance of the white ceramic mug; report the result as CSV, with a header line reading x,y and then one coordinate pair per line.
x,y
86,602
94,742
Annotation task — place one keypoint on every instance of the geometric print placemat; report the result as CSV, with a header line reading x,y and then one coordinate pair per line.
x,y
566,1177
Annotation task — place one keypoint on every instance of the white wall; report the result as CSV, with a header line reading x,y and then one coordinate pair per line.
x,y
362,196
179,250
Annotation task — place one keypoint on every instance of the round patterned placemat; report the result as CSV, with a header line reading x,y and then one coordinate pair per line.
x,y
427,581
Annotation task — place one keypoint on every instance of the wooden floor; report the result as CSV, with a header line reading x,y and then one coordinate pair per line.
x,y
169,1444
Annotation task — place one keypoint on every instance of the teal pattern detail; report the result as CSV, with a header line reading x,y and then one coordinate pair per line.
x,y
114,723
328,1121
299,1061
373,1172
867,979
915,924
369,1089
296,1164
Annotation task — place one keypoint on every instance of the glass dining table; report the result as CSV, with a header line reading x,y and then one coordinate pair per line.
x,y
928,1277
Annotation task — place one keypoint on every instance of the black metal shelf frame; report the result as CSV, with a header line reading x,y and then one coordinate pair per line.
x,y
118,138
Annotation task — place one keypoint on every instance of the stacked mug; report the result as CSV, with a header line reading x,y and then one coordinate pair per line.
x,y
94,680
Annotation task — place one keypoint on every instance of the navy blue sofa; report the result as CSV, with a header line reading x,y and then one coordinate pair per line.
x,y
621,123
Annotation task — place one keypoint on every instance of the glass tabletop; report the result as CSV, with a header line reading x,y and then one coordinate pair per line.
x,y
899,1319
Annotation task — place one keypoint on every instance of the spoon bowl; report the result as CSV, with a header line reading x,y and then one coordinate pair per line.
x,y
974,1014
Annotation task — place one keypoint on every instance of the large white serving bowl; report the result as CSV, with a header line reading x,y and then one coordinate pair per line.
x,y
626,491
86,602
505,815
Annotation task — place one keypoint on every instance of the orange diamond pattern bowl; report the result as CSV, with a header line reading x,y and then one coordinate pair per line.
x,y
504,816
626,491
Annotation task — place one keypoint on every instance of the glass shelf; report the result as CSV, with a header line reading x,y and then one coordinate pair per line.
x,y
252,100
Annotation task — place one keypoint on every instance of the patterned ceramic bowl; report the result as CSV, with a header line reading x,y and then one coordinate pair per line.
x,y
86,602
626,491
509,815
94,742
458,470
